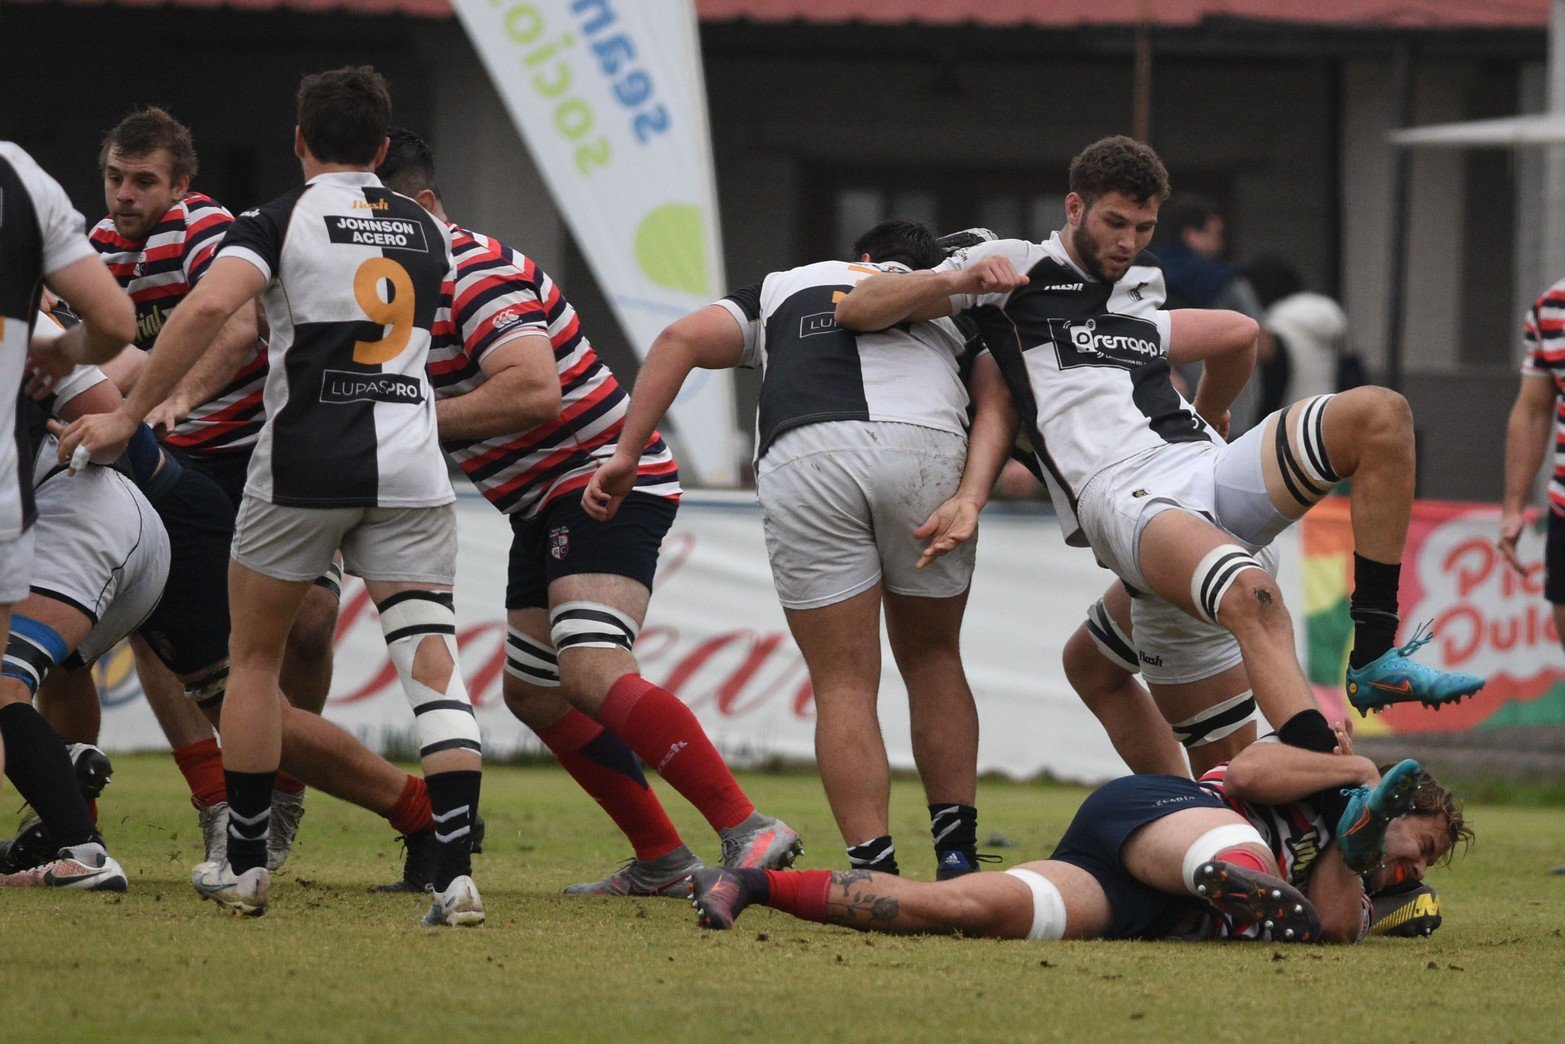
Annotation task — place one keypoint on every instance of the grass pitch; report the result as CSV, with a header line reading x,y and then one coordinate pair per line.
x,y
332,961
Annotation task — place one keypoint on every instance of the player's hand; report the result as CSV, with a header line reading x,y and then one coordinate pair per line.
x,y
167,415
992,275
100,436
1218,419
46,354
608,487
952,524
1511,525
39,384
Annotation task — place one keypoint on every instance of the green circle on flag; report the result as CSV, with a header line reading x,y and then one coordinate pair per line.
x,y
671,248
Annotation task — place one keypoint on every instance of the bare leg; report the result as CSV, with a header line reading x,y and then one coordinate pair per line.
x,y
262,609
841,646
68,700
182,723
925,636
1181,702
305,675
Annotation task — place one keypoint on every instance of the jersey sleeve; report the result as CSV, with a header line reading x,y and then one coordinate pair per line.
x,y
1543,334
256,236
206,222
493,301
64,229
1020,253
744,304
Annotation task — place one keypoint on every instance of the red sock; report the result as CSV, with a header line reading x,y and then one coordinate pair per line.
x,y
92,809
411,813
201,763
1247,858
607,769
665,735
799,892
287,784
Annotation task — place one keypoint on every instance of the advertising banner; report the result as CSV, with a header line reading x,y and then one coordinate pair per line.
x,y
1487,619
610,100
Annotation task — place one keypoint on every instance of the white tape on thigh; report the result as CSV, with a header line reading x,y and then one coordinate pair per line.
x,y
1218,721
531,661
1216,574
444,720
1110,638
1214,841
1048,906
589,625
1309,430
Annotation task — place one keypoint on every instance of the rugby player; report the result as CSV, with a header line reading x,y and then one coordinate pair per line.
x,y
1138,473
1241,854
159,238
348,457
861,448
42,242
528,410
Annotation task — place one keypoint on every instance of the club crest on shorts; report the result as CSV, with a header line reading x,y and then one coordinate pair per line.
x,y
559,543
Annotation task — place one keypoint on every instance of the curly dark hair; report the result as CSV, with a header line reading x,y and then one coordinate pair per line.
x,y
1119,164
147,130
1432,799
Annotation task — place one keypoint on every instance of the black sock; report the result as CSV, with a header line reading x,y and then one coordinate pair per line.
x,y
1308,729
877,854
453,798
41,770
249,817
1373,608
955,832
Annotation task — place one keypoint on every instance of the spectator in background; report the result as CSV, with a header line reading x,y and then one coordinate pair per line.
x,y
1308,342
1192,245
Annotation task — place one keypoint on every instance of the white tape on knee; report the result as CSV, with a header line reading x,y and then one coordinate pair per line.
x,y
444,720
589,625
531,661
1309,428
1111,639
1215,841
1216,574
1218,721
1048,906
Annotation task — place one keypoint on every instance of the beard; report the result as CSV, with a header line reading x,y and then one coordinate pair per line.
x,y
1087,251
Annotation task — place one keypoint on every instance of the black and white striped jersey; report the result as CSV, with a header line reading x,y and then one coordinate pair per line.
x,y
1086,362
355,276
814,370
40,233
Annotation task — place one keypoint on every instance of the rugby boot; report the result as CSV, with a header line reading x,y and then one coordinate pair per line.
x,y
1405,912
761,843
959,862
459,905
719,895
83,868
665,876
93,769
1252,897
214,830
287,811
1361,832
246,893
1393,677
31,847
421,854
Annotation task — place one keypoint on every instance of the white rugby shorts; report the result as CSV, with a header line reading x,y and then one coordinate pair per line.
x,y
100,547
839,503
415,545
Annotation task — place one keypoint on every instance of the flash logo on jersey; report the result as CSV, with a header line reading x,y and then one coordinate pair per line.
x,y
1109,340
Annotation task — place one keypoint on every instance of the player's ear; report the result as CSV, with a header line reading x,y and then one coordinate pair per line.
x,y
1075,207
300,149
380,153
427,199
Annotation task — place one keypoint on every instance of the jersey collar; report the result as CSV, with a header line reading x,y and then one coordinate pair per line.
x,y
346,177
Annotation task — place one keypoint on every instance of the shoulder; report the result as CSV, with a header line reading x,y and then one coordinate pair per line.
x,y
1552,298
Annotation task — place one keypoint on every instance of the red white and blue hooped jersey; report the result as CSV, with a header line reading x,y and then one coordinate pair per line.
x,y
158,273
1296,833
500,293
1543,335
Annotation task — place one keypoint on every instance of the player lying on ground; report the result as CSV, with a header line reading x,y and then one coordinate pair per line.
x,y
529,411
1234,856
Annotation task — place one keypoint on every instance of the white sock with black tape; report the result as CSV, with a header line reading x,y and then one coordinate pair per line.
x,y
444,720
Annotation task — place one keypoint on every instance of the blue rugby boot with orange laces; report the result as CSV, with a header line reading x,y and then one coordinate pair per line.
x,y
1361,832
1393,677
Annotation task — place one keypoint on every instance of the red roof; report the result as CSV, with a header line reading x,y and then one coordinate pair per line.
x,y
1053,14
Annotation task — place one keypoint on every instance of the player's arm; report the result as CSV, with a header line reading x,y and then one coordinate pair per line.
x,y
1224,342
710,338
521,390
1269,773
988,444
108,319
1526,443
1337,894
884,300
232,349
191,329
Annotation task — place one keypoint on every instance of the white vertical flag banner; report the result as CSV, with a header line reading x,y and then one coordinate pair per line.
x,y
610,100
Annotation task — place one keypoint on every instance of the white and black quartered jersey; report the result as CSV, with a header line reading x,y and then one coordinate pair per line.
x,y
355,277
814,370
40,233
1086,362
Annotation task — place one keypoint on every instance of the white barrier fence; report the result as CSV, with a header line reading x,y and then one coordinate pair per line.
x,y
715,636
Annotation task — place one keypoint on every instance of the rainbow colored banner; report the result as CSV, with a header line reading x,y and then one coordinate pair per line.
x,y
1487,619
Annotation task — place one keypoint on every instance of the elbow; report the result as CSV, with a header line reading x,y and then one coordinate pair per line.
x,y
1341,927
542,407
1240,780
